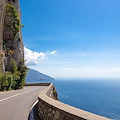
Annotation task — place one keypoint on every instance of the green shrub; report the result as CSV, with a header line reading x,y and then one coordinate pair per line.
x,y
14,23
15,78
6,81
10,80
13,66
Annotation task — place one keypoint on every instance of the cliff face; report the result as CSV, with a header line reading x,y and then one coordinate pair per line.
x,y
2,14
11,45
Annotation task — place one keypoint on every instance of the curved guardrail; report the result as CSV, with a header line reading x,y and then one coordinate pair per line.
x,y
50,109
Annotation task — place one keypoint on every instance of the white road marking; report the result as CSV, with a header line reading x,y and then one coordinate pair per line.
x,y
34,105
17,95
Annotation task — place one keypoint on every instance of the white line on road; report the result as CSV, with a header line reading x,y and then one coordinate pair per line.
x,y
17,95
34,104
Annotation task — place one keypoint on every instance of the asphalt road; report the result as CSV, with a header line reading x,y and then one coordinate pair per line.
x,y
16,105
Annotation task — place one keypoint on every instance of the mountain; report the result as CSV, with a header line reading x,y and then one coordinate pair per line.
x,y
34,76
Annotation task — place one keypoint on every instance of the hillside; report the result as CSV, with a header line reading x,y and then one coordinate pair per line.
x,y
34,76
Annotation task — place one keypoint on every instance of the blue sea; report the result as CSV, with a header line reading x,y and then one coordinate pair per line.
x,y
101,97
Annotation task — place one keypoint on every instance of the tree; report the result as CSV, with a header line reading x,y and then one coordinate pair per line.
x,y
23,72
15,77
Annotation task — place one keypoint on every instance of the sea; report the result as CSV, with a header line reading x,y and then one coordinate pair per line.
x,y
99,96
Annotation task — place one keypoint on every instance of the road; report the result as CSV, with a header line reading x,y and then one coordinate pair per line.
x,y
16,105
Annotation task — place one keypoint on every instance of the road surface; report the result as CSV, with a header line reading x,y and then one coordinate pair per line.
x,y
16,105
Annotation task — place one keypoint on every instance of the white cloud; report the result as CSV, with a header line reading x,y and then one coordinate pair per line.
x,y
31,57
53,52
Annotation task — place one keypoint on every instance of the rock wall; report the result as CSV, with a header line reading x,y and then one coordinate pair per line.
x,y
2,14
51,109
52,93
11,45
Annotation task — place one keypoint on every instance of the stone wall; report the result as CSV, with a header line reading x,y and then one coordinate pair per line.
x,y
37,84
51,109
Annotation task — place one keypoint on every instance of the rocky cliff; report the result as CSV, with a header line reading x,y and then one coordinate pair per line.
x,y
2,14
11,45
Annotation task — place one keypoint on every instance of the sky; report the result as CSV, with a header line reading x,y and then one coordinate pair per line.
x,y
72,38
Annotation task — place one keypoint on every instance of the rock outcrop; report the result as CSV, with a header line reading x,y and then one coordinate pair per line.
x,y
11,45
2,14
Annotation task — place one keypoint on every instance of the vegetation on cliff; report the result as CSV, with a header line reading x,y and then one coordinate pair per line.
x,y
1,62
14,22
15,78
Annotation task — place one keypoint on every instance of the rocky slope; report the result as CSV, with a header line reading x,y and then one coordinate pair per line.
x,y
11,45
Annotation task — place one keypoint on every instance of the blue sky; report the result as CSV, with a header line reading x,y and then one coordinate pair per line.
x,y
72,38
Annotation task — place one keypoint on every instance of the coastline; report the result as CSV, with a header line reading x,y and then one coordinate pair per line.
x,y
89,95
51,109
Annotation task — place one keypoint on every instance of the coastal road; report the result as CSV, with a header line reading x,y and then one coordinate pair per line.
x,y
16,104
